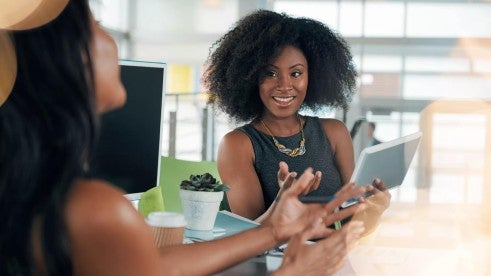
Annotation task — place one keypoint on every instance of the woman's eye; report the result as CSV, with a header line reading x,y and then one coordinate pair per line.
x,y
296,74
271,74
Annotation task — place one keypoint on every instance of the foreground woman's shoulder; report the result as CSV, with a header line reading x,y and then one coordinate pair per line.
x,y
95,205
104,227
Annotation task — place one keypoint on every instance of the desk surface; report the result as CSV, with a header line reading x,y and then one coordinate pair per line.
x,y
413,239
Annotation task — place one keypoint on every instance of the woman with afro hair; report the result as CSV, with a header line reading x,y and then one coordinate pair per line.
x,y
264,71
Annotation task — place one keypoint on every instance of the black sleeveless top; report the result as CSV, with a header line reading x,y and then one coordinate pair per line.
x,y
318,155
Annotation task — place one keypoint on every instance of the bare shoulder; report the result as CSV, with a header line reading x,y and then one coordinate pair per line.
x,y
335,129
235,142
95,202
332,123
235,137
103,226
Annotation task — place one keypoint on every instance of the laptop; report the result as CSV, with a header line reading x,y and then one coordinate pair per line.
x,y
129,146
388,161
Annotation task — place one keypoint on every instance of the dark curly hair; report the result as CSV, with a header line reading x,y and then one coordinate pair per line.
x,y
238,58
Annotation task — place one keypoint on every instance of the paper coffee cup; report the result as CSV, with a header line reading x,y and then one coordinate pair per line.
x,y
167,228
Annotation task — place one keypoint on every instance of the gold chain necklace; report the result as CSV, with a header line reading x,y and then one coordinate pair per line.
x,y
290,152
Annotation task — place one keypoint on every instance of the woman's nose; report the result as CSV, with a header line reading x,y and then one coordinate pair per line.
x,y
284,83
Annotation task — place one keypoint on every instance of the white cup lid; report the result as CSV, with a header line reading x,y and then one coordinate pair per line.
x,y
166,219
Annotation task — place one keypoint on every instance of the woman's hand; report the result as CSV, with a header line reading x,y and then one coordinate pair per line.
x,y
285,180
381,196
291,216
323,257
287,177
376,204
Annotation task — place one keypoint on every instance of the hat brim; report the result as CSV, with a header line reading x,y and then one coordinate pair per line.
x,y
29,14
8,66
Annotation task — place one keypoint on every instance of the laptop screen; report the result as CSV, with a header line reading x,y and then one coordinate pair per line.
x,y
128,150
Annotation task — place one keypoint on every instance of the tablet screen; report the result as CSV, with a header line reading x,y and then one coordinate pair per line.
x,y
388,161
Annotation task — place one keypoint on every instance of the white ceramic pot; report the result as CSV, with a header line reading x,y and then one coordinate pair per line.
x,y
200,208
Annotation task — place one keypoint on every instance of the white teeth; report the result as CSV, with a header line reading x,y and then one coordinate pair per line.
x,y
283,99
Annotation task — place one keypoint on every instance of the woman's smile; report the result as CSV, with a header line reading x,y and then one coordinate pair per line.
x,y
283,101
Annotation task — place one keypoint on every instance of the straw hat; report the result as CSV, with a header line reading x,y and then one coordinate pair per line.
x,y
8,66
28,14
20,15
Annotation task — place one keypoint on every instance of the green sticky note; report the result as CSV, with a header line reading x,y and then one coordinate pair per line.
x,y
151,201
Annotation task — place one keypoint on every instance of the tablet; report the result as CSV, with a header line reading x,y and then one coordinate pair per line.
x,y
388,161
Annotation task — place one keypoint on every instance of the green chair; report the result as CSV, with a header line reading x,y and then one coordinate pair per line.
x,y
173,171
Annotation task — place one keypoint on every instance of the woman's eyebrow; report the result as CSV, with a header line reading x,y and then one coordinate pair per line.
x,y
293,66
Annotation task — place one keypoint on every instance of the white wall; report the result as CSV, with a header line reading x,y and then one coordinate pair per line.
x,y
180,31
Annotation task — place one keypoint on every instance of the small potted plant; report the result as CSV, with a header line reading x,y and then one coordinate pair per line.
x,y
201,196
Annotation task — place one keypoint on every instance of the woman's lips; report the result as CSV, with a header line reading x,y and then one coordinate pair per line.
x,y
283,101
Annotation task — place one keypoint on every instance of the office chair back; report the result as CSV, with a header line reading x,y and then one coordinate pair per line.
x,y
173,171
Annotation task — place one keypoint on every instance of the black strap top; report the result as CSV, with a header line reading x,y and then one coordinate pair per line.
x,y
318,155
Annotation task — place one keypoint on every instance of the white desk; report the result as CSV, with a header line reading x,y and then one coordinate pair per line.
x,y
412,240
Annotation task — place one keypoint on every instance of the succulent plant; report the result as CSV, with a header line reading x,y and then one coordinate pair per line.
x,y
203,182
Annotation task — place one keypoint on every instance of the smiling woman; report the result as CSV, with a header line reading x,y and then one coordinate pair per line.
x,y
289,64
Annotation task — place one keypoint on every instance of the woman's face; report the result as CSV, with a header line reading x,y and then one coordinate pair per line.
x,y
284,83
110,92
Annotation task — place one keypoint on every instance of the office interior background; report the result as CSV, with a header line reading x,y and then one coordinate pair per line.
x,y
423,65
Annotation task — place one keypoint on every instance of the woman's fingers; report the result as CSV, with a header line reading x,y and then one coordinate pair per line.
x,y
348,191
381,195
302,237
344,213
322,258
354,230
290,178
282,172
302,184
286,177
316,182
379,184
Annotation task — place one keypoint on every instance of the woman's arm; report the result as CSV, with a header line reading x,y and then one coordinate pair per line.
x,y
109,237
288,218
235,164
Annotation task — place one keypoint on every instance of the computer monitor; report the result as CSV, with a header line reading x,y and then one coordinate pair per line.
x,y
128,149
